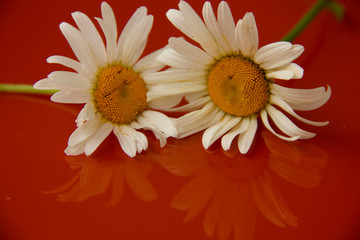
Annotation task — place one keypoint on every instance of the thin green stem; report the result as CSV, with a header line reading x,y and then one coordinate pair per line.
x,y
24,88
309,16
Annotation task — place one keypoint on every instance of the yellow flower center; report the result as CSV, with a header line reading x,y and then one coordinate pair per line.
x,y
120,94
238,86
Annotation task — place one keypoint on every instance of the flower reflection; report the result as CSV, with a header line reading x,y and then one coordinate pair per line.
x,y
108,168
229,187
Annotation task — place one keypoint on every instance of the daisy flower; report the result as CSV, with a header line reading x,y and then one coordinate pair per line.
x,y
109,80
229,81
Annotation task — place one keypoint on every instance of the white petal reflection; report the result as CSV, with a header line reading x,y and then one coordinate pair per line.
x,y
229,188
106,171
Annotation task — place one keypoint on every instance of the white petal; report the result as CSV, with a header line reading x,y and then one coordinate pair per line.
x,y
218,129
245,140
213,27
130,140
139,138
177,19
84,131
175,75
190,51
87,113
175,89
161,122
108,16
92,36
75,149
68,62
281,74
302,99
194,119
144,123
137,53
227,139
68,81
71,97
135,19
190,97
43,84
109,27
281,103
283,58
285,125
126,142
133,22
149,62
174,59
248,36
290,71
80,47
227,24
164,103
194,105
96,139
198,120
266,123
198,30
133,45
296,69
267,52
238,34
159,135
110,38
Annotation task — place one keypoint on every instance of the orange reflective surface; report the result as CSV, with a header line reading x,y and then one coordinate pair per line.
x,y
301,190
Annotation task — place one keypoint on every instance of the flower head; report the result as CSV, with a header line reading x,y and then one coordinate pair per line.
x,y
110,80
229,81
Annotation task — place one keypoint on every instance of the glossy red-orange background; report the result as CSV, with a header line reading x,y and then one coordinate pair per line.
x,y
34,131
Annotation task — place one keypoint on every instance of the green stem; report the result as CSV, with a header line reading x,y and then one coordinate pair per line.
x,y
309,16
24,88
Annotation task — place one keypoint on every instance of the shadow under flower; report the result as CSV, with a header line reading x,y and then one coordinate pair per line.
x,y
229,187
108,168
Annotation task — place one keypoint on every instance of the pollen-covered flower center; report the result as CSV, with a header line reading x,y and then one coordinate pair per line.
x,y
120,94
238,86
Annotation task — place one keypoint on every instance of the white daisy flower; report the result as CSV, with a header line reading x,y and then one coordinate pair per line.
x,y
110,81
230,81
